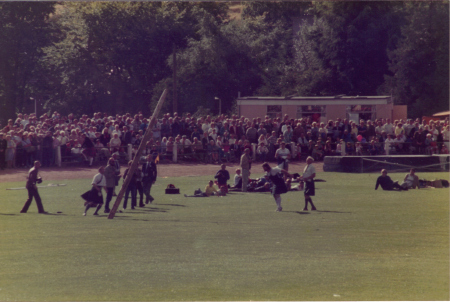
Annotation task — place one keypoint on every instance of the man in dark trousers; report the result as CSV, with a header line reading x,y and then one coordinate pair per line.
x,y
149,174
47,149
222,177
386,182
3,146
32,189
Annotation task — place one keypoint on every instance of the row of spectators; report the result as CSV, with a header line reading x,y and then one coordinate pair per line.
x,y
28,137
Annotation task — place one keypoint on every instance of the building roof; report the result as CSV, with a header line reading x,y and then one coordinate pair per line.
x,y
314,100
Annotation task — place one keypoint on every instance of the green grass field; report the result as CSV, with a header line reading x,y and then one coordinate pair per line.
x,y
362,244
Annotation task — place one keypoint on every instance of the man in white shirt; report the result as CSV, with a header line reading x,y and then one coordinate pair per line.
x,y
388,127
95,197
308,177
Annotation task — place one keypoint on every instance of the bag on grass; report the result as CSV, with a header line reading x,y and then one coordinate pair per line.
x,y
171,189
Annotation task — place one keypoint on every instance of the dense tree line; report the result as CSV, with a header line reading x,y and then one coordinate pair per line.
x,y
118,56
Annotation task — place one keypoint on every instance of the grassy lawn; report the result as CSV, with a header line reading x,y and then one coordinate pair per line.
x,y
362,244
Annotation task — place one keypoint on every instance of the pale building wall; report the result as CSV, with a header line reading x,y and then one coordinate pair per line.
x,y
384,111
290,110
400,112
336,111
253,111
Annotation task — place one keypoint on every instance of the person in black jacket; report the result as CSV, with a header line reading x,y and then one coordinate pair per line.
x,y
132,186
126,136
149,174
3,146
33,179
386,182
222,177
88,149
47,149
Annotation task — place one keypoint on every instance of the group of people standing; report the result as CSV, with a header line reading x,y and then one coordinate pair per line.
x,y
140,182
107,179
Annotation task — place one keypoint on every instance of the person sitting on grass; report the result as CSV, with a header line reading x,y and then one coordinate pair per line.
x,y
386,182
237,180
210,190
411,180
222,177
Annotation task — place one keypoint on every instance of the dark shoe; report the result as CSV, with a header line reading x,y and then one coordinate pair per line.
x,y
45,212
305,209
142,205
95,214
107,211
314,209
132,208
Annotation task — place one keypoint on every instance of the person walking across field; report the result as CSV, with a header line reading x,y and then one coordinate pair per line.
x,y
149,173
31,186
96,197
308,177
110,175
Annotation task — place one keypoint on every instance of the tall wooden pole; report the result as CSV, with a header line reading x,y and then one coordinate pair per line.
x,y
175,101
136,158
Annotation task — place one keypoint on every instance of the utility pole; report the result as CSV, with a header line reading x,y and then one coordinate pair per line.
x,y
175,104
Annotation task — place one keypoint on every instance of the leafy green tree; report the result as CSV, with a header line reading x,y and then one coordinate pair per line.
x,y
420,63
276,11
349,43
23,32
111,55
238,56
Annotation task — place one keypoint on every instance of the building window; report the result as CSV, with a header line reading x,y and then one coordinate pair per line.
x,y
273,111
316,113
363,112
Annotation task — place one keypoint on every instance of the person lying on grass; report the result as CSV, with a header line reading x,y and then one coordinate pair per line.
x,y
210,190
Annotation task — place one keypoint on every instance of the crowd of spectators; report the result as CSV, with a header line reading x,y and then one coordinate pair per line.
x,y
29,138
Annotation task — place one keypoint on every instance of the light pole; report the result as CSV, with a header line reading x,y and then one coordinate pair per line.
x,y
220,104
35,110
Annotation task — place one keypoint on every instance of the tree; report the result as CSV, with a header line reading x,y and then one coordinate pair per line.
x,y
237,56
349,43
23,32
420,63
111,56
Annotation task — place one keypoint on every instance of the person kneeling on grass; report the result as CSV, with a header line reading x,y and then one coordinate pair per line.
x,y
209,191
386,182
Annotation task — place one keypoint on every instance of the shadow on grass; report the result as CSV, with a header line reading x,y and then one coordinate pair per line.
x,y
338,212
9,214
317,211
